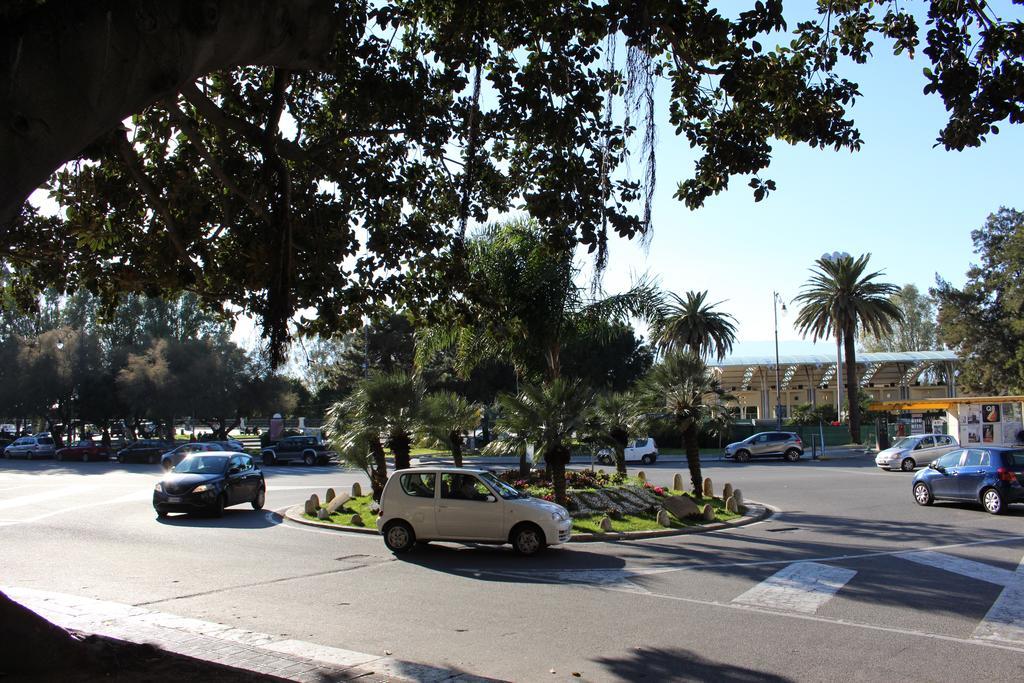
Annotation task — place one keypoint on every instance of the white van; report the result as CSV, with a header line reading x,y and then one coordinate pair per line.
x,y
639,450
458,504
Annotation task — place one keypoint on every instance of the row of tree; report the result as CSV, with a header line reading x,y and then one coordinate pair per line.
x,y
146,361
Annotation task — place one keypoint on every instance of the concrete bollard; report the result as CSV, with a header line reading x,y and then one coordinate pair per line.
x,y
357,490
730,505
310,509
606,523
356,521
678,484
337,502
726,491
738,495
709,488
709,513
323,514
329,496
315,499
663,518
641,475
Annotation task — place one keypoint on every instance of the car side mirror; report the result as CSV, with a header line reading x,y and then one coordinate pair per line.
x,y
918,447
937,466
491,499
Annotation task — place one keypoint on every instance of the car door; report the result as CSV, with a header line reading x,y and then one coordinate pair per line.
x,y
945,475
945,444
759,445
925,451
467,510
416,502
972,472
235,485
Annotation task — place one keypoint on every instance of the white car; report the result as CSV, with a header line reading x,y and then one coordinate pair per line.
x,y
640,450
458,504
914,451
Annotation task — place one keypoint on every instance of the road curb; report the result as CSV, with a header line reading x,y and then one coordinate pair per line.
x,y
755,513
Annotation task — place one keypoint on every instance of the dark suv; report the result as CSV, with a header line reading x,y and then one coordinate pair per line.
x,y
143,450
767,444
309,449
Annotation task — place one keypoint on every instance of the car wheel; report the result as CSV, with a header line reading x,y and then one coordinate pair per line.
x,y
605,459
993,501
742,456
922,495
218,506
399,537
528,539
60,458
908,465
646,460
261,497
269,458
309,458
792,455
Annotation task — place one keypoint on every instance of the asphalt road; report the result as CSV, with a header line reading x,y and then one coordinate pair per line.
x,y
850,580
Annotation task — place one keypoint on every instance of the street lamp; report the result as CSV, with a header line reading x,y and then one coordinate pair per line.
x,y
835,257
776,302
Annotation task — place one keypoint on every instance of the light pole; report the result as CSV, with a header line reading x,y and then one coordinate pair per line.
x,y
776,302
835,257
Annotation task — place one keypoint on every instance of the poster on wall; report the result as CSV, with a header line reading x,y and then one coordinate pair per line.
x,y
990,413
988,433
917,423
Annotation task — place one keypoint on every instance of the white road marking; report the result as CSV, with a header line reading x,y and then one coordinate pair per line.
x,y
801,587
1005,619
611,579
957,565
45,496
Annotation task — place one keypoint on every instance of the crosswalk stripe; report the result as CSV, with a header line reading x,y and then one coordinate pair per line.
x,y
1005,619
800,587
958,565
43,496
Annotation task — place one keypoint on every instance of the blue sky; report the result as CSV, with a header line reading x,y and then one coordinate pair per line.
x,y
909,204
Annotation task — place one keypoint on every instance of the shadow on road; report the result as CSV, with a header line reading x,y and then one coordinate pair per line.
x,y
242,518
662,664
498,563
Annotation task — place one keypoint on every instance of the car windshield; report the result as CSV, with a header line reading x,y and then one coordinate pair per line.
x,y
504,490
203,464
906,442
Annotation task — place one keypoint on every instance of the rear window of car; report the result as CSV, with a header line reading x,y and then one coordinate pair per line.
x,y
1014,459
420,485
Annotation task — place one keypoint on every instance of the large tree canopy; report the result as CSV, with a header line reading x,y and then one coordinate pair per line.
x,y
287,155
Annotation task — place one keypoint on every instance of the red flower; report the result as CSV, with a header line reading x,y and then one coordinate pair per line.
x,y
660,491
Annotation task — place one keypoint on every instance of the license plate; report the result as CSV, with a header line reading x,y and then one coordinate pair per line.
x,y
173,499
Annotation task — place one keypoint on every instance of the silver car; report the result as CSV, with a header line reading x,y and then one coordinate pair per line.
x,y
767,444
913,451
29,447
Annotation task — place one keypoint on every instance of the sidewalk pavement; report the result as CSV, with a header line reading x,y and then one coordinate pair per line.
x,y
260,653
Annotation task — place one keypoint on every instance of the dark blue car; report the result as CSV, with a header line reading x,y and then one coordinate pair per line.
x,y
993,477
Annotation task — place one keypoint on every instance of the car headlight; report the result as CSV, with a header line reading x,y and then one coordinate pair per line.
x,y
559,516
203,488
159,487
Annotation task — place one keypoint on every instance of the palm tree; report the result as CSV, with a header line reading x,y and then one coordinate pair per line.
x,y
840,298
445,418
617,417
382,411
694,325
546,416
682,389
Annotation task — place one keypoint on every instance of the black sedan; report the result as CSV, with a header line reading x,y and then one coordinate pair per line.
x,y
210,482
144,450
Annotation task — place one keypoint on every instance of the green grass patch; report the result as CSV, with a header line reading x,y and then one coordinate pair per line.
x,y
353,506
591,524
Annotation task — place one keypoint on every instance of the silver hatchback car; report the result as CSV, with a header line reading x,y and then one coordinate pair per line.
x,y
788,445
914,451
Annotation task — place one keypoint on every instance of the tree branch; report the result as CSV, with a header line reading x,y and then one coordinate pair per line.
x,y
134,166
195,139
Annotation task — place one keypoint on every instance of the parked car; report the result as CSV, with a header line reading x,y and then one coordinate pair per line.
x,y
210,482
993,477
176,455
309,449
30,447
767,445
143,450
913,451
84,450
640,450
458,504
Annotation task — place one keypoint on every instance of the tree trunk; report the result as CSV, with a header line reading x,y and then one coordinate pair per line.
x,y
455,440
400,445
379,475
524,465
557,459
620,438
851,384
690,443
115,59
